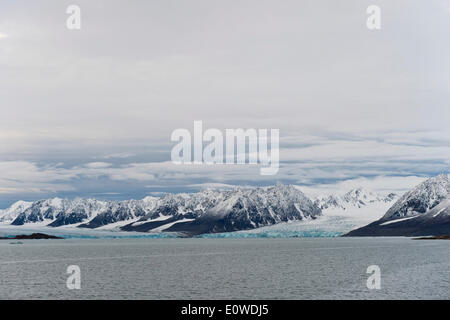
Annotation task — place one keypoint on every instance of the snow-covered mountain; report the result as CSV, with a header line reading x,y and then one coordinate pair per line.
x,y
271,209
14,210
355,198
225,211
57,212
420,211
420,199
205,211
341,213
117,211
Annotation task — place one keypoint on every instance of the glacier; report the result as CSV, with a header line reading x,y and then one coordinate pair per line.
x,y
334,222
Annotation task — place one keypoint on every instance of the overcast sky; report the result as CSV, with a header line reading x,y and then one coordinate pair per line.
x,y
90,112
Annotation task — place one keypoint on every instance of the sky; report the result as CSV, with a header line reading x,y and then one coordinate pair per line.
x,y
90,112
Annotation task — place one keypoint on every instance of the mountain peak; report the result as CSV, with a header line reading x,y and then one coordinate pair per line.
x,y
420,199
422,211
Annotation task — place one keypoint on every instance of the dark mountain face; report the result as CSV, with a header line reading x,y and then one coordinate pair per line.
x,y
115,212
420,199
37,212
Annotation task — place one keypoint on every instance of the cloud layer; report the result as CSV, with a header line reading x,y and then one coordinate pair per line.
x,y
90,112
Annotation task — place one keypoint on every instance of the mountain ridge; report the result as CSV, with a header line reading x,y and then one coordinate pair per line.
x,y
218,211
354,198
422,211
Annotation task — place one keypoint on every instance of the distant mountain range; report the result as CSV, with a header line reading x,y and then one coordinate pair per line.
x,y
225,211
190,214
422,211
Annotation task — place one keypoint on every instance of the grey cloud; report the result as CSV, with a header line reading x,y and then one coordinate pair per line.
x,y
349,102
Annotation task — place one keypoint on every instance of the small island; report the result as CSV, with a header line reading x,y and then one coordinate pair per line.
x,y
442,237
31,236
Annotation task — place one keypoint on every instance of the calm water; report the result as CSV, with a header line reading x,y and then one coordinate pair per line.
x,y
226,268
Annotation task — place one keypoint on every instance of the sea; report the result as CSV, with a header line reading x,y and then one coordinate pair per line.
x,y
225,268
